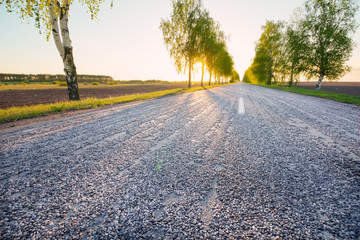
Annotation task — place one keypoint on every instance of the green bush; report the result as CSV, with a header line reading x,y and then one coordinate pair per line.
x,y
95,83
23,83
62,84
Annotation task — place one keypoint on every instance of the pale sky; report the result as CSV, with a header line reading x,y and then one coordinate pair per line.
x,y
126,42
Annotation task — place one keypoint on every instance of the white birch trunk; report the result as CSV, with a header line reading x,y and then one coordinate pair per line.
x,y
318,86
63,44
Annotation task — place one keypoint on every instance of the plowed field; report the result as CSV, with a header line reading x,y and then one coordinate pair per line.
x,y
11,98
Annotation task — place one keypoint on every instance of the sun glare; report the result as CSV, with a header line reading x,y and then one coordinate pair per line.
x,y
197,72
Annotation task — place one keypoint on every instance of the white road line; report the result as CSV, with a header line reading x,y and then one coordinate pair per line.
x,y
241,106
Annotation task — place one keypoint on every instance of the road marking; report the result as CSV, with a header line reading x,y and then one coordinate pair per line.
x,y
241,106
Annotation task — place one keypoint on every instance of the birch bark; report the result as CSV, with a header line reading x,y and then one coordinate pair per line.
x,y
318,86
60,14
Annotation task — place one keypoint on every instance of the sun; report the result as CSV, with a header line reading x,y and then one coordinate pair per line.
x,y
197,72
198,66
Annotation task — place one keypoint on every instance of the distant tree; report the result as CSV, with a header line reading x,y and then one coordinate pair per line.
x,y
235,77
225,65
52,16
215,45
206,30
249,76
294,54
328,25
192,36
268,57
294,49
181,35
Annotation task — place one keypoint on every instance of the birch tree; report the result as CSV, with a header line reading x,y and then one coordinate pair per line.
x,y
267,61
328,25
295,53
180,35
52,17
215,44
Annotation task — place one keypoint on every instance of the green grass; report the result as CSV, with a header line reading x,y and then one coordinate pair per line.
x,y
344,98
17,113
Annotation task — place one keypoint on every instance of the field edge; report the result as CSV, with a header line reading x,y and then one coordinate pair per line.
x,y
19,113
338,97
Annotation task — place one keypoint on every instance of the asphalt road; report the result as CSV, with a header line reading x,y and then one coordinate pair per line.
x,y
236,162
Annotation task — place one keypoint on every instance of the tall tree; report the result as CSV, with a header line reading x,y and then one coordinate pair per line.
x,y
268,52
295,53
181,35
235,77
329,25
215,45
205,28
294,48
225,64
52,16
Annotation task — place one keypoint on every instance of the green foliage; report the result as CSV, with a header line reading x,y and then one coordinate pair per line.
x,y
250,77
235,77
295,52
179,33
62,84
38,11
316,44
95,83
57,108
328,26
191,36
268,53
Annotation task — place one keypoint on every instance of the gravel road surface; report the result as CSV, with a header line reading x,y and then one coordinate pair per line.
x,y
235,162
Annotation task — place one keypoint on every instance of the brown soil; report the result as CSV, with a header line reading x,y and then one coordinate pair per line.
x,y
12,98
352,88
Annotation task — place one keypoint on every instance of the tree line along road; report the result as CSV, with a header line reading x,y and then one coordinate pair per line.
x,y
234,162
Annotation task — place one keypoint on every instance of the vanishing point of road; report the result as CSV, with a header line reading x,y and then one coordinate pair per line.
x,y
234,162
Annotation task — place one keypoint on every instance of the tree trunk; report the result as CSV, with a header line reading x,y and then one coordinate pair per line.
x,y
60,14
291,76
190,67
71,76
210,78
318,86
202,74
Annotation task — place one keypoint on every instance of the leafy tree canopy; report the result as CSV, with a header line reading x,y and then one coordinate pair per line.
x,y
38,10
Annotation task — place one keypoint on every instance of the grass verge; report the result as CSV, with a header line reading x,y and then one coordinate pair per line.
x,y
344,98
17,113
